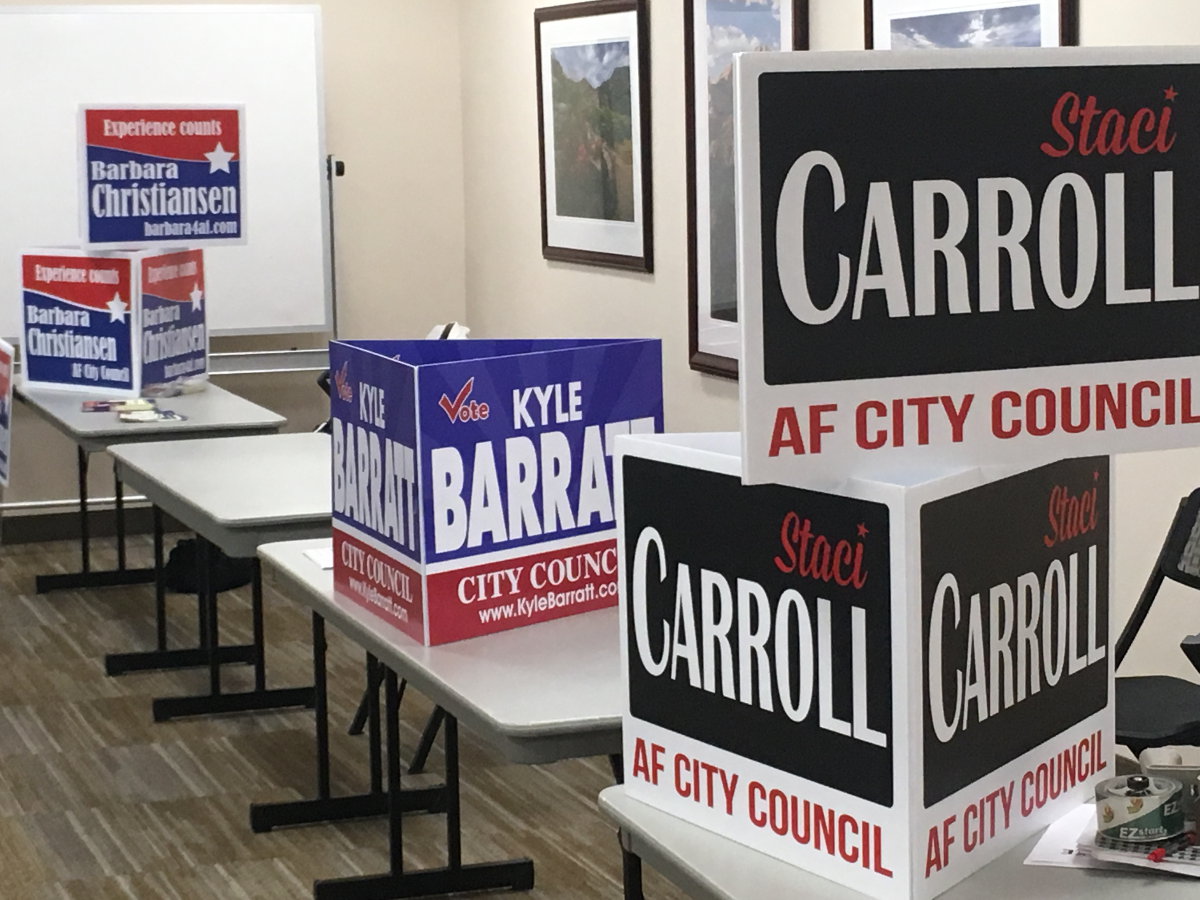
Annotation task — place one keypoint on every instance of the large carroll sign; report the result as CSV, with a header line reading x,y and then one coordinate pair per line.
x,y
152,175
889,685
959,258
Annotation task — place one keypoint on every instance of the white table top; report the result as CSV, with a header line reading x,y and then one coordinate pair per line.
x,y
211,411
236,491
711,867
539,693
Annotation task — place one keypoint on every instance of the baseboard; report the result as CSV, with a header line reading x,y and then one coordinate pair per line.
x,y
32,528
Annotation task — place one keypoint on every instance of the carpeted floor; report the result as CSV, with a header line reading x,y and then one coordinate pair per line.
x,y
98,802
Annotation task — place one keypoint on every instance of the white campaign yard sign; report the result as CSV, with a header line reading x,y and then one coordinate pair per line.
x,y
960,258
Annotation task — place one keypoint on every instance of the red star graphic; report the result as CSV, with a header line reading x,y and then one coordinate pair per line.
x,y
862,530
1170,93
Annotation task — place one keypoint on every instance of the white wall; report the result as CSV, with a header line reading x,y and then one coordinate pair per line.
x,y
399,210
511,290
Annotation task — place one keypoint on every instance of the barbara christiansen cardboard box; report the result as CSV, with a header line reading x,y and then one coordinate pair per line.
x,y
472,480
889,685
119,322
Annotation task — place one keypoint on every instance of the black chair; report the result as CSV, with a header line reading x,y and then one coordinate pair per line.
x,y
1162,710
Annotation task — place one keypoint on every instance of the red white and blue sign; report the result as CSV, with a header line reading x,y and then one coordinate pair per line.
x,y
117,321
6,399
174,339
472,480
79,320
155,175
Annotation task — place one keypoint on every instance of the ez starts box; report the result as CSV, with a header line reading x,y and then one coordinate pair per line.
x,y
890,685
116,322
472,479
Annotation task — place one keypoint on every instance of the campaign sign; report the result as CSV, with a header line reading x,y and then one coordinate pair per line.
x,y
472,480
153,175
889,685
117,322
174,331
933,280
79,321
6,399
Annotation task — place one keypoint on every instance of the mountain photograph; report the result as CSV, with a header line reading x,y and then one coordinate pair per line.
x,y
592,103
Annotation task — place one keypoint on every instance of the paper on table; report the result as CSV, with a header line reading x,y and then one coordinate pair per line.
x,y
1062,845
1070,843
323,557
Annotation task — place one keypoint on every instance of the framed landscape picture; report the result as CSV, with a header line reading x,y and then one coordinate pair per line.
x,y
930,24
714,30
593,88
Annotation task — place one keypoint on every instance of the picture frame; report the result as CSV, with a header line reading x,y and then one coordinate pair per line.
x,y
919,24
713,31
593,95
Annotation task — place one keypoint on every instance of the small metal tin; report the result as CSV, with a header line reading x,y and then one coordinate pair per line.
x,y
1139,808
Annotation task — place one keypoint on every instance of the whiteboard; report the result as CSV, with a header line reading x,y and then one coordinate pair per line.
x,y
266,58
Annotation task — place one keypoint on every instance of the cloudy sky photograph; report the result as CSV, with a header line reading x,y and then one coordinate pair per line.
x,y
594,63
1009,26
736,26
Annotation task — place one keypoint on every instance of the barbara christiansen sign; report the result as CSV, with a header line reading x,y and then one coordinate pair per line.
x,y
967,257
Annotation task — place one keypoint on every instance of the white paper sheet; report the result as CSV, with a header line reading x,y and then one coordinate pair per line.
x,y
323,558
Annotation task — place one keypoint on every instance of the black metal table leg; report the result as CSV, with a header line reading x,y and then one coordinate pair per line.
x,y
216,701
161,658
119,494
256,613
454,878
428,736
325,807
631,863
160,586
208,602
85,550
375,677
87,577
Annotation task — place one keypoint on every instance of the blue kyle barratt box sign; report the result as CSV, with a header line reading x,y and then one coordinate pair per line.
x,y
472,480
155,175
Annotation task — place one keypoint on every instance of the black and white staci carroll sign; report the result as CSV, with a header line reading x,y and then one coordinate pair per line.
x,y
888,684
1014,613
759,621
952,258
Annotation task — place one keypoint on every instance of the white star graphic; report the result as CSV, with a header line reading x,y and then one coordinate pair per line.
x,y
218,159
117,308
197,295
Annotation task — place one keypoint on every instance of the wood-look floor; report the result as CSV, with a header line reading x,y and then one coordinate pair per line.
x,y
98,802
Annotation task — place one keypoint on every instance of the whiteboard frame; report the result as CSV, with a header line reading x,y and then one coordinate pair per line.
x,y
313,11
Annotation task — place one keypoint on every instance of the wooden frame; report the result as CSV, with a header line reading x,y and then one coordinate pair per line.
x,y
595,183
1067,26
713,334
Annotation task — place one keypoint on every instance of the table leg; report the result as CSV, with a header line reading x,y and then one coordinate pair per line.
x,y
160,587
631,863
85,564
215,701
428,736
87,577
161,658
256,612
454,878
325,807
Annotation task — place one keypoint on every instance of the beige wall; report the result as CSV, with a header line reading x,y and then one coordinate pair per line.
x,y
511,290
399,210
